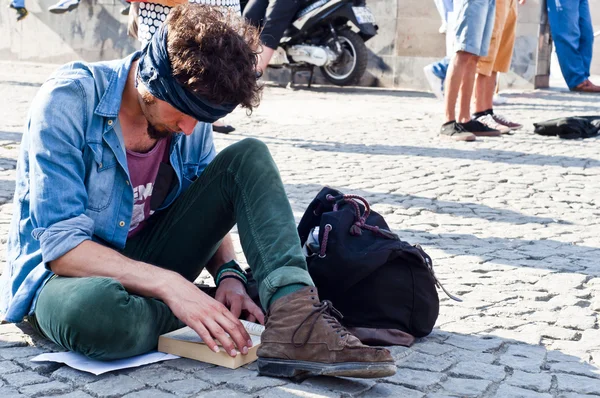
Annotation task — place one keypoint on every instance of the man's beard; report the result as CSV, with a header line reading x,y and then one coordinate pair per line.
x,y
157,133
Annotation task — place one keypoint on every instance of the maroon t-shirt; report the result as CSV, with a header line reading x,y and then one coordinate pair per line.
x,y
143,169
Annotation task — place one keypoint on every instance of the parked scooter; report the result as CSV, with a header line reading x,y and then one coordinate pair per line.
x,y
331,35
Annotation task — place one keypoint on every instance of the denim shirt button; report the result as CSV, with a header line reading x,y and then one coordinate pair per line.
x,y
110,122
127,182
121,223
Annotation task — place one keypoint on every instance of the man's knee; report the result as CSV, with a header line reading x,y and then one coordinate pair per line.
x,y
250,153
87,315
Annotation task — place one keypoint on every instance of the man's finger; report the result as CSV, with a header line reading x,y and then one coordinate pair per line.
x,y
236,306
234,322
251,318
205,336
218,333
254,310
237,332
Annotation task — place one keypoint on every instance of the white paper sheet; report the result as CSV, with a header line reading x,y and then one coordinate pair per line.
x,y
81,362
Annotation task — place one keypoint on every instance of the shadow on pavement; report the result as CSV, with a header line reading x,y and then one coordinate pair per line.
x,y
446,363
434,205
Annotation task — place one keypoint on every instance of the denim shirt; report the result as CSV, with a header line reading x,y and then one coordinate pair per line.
x,y
72,179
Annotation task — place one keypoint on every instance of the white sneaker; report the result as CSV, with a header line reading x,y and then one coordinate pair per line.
x,y
489,121
63,6
434,82
443,28
499,100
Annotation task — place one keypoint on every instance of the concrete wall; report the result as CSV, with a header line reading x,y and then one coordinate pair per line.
x,y
408,39
94,31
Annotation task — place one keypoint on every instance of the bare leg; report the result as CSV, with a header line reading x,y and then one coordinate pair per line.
x,y
263,58
484,92
466,90
462,67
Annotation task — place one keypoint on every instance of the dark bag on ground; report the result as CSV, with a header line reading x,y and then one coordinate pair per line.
x,y
384,287
569,127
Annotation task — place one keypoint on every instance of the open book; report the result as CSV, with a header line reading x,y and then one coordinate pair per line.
x,y
186,343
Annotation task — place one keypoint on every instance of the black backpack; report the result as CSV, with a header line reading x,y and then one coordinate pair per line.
x,y
384,287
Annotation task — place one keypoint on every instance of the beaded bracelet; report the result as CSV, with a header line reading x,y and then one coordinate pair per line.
x,y
230,276
235,271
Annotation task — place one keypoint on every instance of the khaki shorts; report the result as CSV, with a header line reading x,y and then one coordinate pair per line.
x,y
503,39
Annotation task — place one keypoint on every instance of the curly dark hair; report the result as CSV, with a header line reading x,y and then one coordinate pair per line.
x,y
214,54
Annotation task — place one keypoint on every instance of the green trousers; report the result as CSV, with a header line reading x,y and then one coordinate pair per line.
x,y
97,317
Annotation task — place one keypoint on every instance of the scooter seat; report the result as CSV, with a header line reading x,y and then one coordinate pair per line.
x,y
310,8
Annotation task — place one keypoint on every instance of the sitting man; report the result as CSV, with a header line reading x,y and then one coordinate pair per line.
x,y
121,201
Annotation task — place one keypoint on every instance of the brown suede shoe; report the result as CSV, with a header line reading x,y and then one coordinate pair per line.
x,y
303,339
587,87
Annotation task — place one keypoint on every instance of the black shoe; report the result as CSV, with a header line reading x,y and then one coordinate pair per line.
x,y
455,131
480,129
223,129
21,12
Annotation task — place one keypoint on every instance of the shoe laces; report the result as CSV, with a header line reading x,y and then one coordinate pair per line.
x,y
330,315
501,119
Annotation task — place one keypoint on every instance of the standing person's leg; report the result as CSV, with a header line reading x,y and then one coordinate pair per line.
x,y
564,26
586,40
497,60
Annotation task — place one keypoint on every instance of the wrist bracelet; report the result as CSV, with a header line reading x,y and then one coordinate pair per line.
x,y
231,276
240,274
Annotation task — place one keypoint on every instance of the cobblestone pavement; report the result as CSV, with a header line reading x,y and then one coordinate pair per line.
x,y
512,224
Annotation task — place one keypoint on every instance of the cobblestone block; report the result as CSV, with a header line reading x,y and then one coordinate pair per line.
x,y
578,384
515,392
472,343
341,385
223,393
392,390
51,388
478,370
465,387
19,352
532,365
461,355
187,365
220,375
298,390
12,340
10,392
74,394
152,393
531,381
40,367
415,379
579,368
253,384
116,386
423,361
432,348
7,367
185,387
77,377
156,374
24,378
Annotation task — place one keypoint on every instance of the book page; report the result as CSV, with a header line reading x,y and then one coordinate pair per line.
x,y
188,334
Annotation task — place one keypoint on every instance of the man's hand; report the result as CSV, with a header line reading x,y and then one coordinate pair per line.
x,y
521,2
232,293
207,316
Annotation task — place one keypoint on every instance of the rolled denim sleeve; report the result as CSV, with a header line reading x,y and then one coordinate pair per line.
x,y
54,142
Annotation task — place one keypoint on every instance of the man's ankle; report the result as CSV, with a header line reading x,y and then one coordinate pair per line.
x,y
483,113
284,291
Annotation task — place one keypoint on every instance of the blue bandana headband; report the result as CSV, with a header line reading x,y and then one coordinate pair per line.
x,y
154,71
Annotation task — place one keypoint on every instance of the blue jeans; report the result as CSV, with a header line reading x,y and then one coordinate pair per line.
x,y
440,68
18,3
573,35
474,25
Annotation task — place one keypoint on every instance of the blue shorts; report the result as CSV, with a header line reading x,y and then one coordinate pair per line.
x,y
474,25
